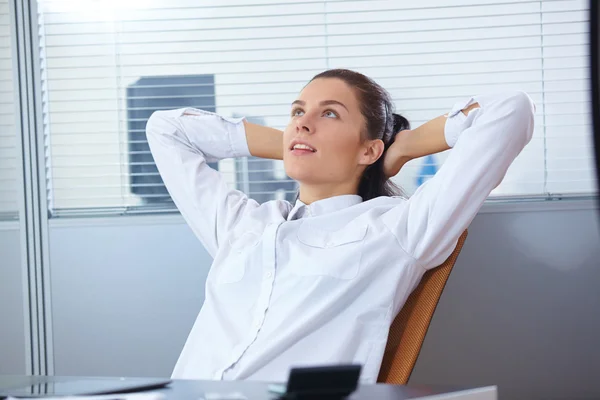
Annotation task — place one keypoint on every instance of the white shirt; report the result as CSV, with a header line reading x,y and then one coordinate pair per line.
x,y
297,285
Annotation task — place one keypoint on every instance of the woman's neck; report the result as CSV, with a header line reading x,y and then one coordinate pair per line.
x,y
312,193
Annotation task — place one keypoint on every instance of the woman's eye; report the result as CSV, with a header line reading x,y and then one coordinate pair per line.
x,y
329,114
297,112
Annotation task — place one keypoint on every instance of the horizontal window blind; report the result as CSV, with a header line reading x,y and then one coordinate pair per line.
x,y
569,157
8,138
107,65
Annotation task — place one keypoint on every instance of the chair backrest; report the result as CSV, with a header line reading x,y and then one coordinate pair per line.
x,y
410,325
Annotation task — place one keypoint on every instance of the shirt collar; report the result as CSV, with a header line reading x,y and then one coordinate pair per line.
x,y
324,206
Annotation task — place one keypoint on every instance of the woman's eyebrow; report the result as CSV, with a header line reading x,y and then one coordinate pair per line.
x,y
323,103
329,102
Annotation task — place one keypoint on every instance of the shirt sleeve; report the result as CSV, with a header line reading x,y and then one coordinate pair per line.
x,y
182,141
485,142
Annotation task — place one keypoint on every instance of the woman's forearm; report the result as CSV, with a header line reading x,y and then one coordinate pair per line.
x,y
428,138
264,142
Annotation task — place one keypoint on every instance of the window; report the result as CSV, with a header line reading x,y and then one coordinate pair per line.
x,y
8,137
427,54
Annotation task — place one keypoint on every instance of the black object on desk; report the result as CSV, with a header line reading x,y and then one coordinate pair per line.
x,y
329,382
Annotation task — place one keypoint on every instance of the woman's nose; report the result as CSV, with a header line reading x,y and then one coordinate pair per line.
x,y
303,124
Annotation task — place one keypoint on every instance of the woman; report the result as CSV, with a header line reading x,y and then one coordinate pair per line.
x,y
321,280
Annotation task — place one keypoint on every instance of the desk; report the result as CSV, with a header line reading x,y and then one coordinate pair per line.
x,y
193,390
180,390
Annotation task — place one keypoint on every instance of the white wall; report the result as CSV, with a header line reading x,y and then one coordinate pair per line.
x,y
125,293
12,324
521,308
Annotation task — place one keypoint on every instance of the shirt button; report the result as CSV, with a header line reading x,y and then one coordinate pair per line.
x,y
269,275
256,325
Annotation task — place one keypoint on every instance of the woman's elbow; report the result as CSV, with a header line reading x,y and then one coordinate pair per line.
x,y
155,124
522,112
523,102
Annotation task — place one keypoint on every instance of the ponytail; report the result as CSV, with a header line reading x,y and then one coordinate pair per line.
x,y
374,182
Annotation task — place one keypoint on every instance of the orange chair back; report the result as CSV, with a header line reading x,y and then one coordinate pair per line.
x,y
410,326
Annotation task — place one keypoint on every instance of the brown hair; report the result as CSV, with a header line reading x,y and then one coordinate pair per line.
x,y
380,123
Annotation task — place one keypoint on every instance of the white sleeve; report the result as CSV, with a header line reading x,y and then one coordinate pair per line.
x,y
485,142
181,146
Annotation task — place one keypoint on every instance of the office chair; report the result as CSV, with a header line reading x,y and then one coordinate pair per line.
x,y
410,325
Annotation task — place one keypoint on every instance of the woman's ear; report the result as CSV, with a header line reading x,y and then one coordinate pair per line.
x,y
371,151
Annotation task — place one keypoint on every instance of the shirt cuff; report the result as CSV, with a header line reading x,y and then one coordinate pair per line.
x,y
457,121
226,135
237,137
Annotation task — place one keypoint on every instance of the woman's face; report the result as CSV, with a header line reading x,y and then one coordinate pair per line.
x,y
322,143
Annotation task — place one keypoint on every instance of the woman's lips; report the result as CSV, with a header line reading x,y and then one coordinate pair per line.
x,y
302,152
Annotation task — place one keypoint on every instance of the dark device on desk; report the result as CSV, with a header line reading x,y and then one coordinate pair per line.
x,y
595,78
330,383
50,386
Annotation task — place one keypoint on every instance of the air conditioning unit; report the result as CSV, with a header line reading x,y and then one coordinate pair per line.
x,y
145,96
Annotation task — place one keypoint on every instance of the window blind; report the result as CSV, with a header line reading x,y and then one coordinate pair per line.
x,y
569,162
8,137
261,53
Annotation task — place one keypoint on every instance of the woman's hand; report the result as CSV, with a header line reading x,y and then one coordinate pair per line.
x,y
414,143
396,156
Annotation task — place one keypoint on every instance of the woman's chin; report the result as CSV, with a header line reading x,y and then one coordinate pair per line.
x,y
308,173
299,171
303,177
300,177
